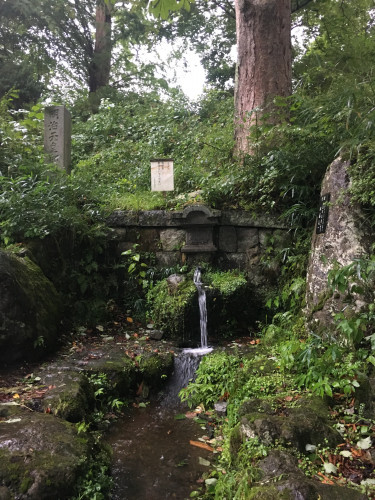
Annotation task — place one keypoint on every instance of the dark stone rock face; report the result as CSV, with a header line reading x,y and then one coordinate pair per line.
x,y
40,455
30,310
344,238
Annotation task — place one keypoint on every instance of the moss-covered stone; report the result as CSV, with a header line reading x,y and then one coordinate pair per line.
x,y
268,493
40,455
307,423
156,368
289,482
176,312
30,310
72,397
121,372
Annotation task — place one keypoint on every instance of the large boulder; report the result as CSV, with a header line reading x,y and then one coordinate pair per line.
x,y
30,310
341,238
41,456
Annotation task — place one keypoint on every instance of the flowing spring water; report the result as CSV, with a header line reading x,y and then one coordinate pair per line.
x,y
202,306
152,455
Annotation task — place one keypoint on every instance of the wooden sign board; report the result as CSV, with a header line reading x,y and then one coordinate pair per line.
x,y
162,175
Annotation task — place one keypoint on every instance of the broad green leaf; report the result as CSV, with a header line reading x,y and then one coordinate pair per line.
x,y
180,416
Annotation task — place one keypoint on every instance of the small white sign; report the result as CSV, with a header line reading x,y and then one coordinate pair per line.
x,y
162,175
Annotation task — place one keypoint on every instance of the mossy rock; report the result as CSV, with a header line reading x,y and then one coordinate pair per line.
x,y
268,493
121,372
41,456
307,423
176,312
282,469
72,398
30,310
155,369
228,292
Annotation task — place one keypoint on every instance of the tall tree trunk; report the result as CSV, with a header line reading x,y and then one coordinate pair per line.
x,y
101,63
264,62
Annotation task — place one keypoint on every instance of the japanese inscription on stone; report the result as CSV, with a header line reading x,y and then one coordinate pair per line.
x,y
162,175
57,136
321,223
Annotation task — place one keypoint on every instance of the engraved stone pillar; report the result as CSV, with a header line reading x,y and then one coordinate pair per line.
x,y
57,136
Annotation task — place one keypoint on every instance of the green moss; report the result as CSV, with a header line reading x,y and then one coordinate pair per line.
x,y
172,311
39,306
25,484
227,283
155,368
268,493
235,440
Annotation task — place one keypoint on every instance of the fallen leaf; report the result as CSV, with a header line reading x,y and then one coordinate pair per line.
x,y
205,446
203,461
363,444
129,320
346,453
329,468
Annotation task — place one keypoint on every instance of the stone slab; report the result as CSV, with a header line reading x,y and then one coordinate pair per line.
x,y
57,136
172,239
227,239
247,238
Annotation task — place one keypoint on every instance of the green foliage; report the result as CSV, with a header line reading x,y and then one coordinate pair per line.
x,y
105,396
96,483
214,380
226,282
223,376
170,311
112,150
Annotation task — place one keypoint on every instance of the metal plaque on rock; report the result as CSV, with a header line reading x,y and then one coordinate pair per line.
x,y
321,223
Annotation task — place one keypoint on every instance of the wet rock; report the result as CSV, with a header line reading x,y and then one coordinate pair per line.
x,y
298,426
155,334
30,310
40,455
155,369
174,280
221,408
71,398
293,484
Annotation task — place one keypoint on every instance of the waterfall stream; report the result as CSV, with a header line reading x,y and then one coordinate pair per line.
x,y
202,306
152,457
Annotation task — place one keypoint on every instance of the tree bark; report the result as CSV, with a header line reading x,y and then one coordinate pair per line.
x,y
101,64
264,63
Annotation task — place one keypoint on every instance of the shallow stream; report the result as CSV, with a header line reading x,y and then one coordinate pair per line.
x,y
152,455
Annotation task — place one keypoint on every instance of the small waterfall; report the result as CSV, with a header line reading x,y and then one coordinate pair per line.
x,y
185,366
202,306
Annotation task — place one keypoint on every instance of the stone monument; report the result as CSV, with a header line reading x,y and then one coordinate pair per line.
x,y
341,235
57,136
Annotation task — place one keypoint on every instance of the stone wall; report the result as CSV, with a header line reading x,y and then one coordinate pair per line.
x,y
225,239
